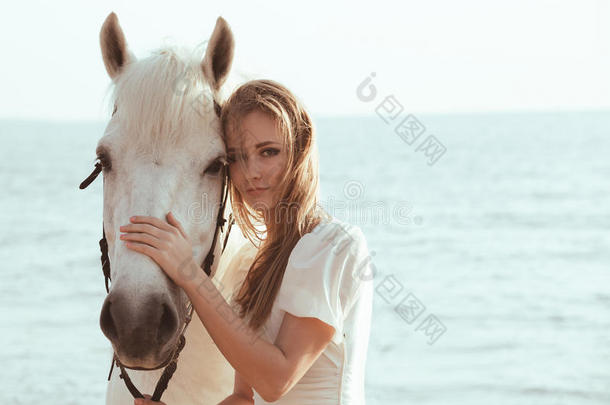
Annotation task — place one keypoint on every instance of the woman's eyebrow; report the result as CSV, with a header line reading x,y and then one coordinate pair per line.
x,y
258,145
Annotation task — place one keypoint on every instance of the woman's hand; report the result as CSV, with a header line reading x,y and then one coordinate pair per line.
x,y
164,242
146,401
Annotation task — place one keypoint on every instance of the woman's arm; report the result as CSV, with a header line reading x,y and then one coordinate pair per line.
x,y
235,399
242,393
271,369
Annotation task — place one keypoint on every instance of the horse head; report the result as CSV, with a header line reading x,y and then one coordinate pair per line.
x,y
161,151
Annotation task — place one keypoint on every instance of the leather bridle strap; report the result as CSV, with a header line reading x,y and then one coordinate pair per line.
x,y
220,221
92,176
161,386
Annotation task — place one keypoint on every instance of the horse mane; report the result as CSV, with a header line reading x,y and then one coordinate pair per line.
x,y
163,99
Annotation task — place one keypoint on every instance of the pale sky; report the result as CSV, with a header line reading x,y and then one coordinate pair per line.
x,y
433,56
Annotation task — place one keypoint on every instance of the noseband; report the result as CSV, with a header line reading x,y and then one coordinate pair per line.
x,y
171,363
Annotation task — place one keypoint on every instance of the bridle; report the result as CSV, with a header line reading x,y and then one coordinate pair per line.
x,y
171,363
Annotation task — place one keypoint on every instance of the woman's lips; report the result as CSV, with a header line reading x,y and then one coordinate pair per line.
x,y
256,191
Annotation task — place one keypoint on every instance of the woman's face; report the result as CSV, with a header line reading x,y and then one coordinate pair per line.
x,y
257,158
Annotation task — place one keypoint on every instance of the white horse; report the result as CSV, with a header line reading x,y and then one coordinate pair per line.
x,y
160,152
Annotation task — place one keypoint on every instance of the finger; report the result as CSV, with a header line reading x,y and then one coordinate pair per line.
x,y
173,221
151,220
144,228
144,238
145,249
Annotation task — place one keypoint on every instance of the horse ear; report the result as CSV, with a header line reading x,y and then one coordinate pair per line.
x,y
114,47
218,55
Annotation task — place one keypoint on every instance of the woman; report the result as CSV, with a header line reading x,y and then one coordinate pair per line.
x,y
308,293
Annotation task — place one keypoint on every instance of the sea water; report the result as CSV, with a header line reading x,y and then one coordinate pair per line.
x,y
489,235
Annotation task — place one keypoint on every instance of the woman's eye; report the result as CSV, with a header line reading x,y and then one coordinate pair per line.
x,y
270,152
214,168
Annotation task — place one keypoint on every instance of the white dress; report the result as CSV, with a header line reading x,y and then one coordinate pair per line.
x,y
329,277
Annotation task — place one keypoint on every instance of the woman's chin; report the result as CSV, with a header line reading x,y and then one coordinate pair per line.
x,y
259,204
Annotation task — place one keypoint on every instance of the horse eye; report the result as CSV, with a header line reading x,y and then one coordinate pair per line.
x,y
215,167
104,161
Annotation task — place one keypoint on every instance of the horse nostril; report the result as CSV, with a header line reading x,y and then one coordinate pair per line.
x,y
107,322
167,324
147,329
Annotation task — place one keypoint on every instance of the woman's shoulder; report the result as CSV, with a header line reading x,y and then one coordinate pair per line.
x,y
332,241
334,234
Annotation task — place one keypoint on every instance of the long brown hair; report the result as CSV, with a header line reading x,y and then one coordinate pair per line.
x,y
297,211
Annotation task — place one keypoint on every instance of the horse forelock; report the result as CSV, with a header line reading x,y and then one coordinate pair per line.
x,y
164,100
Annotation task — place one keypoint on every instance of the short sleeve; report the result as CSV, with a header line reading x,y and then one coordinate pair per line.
x,y
320,277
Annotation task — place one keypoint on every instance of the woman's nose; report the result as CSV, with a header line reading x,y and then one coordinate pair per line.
x,y
253,169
